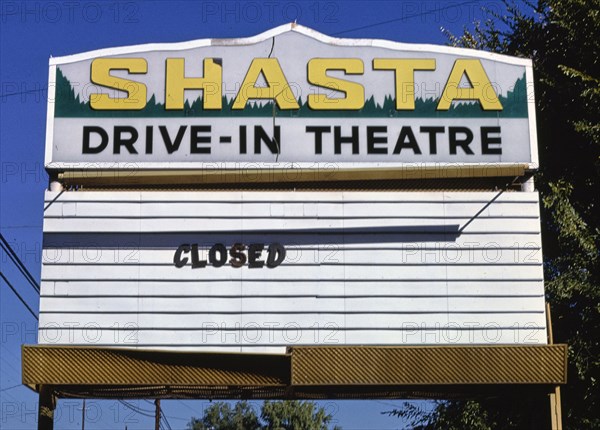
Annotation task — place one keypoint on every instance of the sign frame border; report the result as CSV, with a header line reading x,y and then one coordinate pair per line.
x,y
360,42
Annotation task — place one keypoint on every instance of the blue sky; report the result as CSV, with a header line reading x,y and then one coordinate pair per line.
x,y
32,31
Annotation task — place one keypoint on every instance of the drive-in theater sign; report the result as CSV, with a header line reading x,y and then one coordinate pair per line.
x,y
291,215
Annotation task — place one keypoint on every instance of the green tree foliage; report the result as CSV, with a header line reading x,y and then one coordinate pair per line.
x,y
221,416
563,39
290,415
447,416
284,415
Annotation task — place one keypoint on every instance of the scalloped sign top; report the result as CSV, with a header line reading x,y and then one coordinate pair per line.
x,y
289,97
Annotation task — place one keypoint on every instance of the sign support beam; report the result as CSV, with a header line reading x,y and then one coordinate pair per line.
x,y
304,372
555,401
311,372
556,409
46,406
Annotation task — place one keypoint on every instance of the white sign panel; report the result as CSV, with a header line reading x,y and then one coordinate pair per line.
x,y
259,271
290,97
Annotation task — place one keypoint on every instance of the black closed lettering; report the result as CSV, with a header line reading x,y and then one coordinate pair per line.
x,y
238,258
178,260
220,249
276,255
254,251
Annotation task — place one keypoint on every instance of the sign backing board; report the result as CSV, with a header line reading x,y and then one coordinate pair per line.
x,y
152,269
289,98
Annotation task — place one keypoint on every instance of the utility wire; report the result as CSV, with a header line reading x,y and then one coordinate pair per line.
x,y
138,409
147,413
10,388
23,92
133,408
19,296
17,261
21,269
164,417
389,21
187,406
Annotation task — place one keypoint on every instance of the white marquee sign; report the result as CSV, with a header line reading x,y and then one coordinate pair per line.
x,y
257,271
289,97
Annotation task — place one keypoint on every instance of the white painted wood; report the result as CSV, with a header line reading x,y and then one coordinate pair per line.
x,y
294,304
150,225
309,209
490,253
491,334
177,321
66,246
295,272
77,289
297,196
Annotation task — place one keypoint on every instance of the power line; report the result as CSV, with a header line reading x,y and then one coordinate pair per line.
x,y
7,248
19,296
138,409
12,397
151,412
17,372
135,409
142,409
170,416
17,261
387,403
166,421
23,92
10,388
389,21
189,407
23,271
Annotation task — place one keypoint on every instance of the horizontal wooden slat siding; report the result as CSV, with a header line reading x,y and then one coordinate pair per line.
x,y
361,268
233,197
290,288
326,254
294,305
284,273
292,336
299,226
152,321
66,245
195,210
